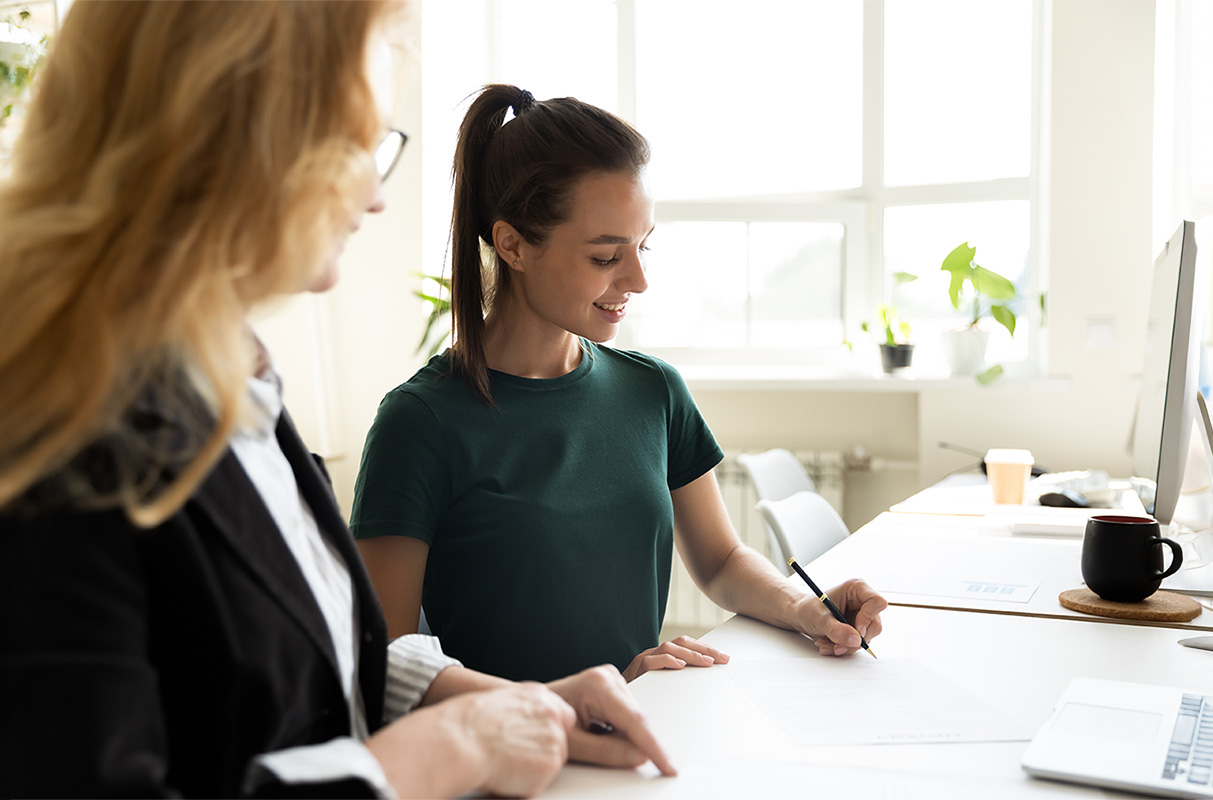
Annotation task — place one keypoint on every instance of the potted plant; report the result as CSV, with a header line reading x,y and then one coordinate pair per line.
x,y
896,351
21,54
988,294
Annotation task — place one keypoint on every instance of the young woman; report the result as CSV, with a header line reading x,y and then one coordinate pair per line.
x,y
182,609
526,487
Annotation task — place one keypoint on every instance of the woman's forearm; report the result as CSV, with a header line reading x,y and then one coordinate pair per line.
x,y
454,681
747,583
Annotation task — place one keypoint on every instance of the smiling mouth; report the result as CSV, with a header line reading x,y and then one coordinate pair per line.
x,y
610,306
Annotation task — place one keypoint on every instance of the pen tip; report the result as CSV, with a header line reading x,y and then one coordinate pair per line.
x,y
872,654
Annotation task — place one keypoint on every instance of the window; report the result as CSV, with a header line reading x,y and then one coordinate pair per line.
x,y
1184,126
803,152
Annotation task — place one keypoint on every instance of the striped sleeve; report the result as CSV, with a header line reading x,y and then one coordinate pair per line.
x,y
413,662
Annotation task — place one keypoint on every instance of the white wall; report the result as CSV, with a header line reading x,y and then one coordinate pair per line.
x,y
1100,247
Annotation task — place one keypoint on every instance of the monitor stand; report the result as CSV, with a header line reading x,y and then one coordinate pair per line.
x,y
1196,575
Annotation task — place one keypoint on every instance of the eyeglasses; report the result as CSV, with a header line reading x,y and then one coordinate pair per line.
x,y
388,152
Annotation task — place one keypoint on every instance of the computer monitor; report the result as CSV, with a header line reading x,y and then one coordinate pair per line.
x,y
1166,404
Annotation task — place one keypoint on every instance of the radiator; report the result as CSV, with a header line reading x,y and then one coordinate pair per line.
x,y
689,610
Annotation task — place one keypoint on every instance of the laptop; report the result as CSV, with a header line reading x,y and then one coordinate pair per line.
x,y
1130,736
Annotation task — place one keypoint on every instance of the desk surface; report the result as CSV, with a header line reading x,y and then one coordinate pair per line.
x,y
725,745
894,548
1017,657
969,494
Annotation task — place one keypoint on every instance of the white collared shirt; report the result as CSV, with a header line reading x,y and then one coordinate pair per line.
x,y
413,661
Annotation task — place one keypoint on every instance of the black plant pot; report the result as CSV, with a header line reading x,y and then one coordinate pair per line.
x,y
895,356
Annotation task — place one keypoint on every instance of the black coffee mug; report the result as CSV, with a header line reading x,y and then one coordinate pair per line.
x,y
1122,557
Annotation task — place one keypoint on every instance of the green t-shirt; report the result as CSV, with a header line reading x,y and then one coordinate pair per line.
x,y
548,516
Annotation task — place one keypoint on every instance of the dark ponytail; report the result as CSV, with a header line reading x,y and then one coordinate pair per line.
x,y
522,173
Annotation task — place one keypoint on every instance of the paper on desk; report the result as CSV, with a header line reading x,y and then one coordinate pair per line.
x,y
731,777
1006,589
859,700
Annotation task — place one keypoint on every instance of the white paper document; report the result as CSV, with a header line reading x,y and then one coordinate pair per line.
x,y
860,700
1007,589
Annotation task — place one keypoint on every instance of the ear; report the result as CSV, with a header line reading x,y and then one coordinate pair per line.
x,y
508,244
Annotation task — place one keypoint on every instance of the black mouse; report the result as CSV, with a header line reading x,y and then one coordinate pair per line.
x,y
1065,498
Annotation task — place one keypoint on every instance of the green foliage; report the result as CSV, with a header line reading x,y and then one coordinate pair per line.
x,y
16,75
24,60
436,333
989,290
896,329
990,375
989,294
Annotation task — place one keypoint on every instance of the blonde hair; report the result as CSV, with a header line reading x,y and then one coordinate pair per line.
x,y
180,163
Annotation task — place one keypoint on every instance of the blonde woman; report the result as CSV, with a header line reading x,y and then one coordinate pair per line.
x,y
182,609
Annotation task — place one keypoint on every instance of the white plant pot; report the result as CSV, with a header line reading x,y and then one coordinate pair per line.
x,y
966,351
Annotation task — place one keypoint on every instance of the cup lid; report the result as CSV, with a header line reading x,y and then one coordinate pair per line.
x,y
1006,456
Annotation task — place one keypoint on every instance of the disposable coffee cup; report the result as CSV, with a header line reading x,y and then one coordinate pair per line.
x,y
1008,471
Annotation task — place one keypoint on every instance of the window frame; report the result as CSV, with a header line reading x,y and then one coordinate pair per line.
x,y
860,210
1177,196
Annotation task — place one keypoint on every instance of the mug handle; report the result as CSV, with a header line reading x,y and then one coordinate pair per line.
x,y
1177,557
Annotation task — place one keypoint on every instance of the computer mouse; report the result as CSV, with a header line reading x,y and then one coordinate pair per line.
x,y
1065,498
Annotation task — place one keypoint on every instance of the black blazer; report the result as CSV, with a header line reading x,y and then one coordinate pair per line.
x,y
140,663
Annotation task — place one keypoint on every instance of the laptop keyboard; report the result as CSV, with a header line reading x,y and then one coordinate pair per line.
x,y
1192,742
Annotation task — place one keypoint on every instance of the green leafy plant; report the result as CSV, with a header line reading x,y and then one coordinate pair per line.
x,y
990,293
21,55
436,332
896,329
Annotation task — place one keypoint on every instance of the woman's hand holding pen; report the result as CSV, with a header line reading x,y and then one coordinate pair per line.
x,y
611,730
858,603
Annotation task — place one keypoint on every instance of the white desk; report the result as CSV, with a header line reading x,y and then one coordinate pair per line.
x,y
969,494
725,745
895,547
1017,657
966,494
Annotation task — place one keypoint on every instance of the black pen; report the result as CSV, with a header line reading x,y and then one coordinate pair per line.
x,y
828,602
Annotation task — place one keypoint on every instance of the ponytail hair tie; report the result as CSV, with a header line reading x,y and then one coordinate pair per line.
x,y
523,102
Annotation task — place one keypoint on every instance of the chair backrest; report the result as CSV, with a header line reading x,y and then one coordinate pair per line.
x,y
803,525
776,474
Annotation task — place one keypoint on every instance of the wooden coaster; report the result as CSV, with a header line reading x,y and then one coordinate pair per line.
x,y
1158,607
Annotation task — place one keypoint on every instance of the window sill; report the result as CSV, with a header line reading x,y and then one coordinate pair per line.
x,y
833,379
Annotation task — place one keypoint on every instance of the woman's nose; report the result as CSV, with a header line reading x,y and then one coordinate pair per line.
x,y
633,279
378,199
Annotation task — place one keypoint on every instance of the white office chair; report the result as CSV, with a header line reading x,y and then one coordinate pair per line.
x,y
803,525
775,474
